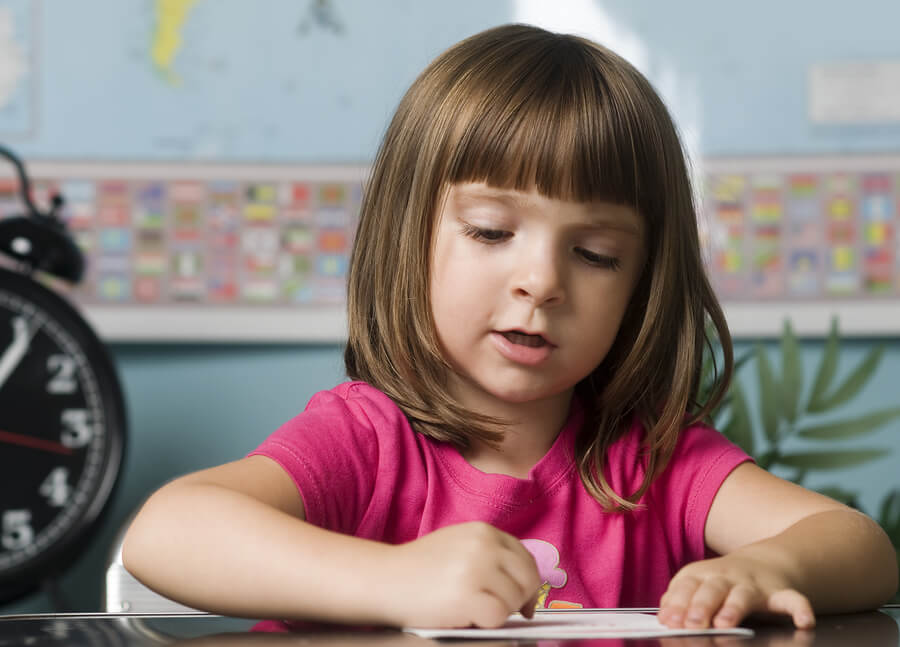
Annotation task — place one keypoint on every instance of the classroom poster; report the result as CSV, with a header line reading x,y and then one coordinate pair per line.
x,y
261,252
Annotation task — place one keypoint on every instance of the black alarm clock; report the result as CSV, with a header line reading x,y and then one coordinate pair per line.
x,y
62,414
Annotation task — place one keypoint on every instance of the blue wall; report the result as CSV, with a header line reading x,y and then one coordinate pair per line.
x,y
734,78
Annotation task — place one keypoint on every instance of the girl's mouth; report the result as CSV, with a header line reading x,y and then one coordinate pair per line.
x,y
524,339
522,348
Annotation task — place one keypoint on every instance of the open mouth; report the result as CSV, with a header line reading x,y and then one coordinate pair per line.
x,y
524,339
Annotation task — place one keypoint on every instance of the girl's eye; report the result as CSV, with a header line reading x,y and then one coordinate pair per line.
x,y
599,260
485,235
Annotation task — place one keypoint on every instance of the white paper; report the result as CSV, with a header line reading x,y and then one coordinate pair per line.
x,y
577,624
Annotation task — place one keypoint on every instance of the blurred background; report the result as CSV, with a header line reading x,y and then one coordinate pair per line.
x,y
765,92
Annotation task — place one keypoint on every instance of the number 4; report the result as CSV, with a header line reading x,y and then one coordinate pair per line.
x,y
56,487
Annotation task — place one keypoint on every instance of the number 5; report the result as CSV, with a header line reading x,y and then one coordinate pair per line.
x,y
17,531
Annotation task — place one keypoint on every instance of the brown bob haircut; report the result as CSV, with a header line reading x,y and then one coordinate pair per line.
x,y
520,107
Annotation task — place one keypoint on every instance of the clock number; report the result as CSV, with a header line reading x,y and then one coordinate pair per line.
x,y
56,487
63,380
77,431
17,531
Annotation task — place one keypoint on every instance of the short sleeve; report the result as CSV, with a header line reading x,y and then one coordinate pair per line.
x,y
684,492
331,453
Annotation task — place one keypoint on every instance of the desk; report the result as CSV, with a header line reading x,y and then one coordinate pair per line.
x,y
872,629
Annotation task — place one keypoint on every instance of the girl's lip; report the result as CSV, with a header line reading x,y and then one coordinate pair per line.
x,y
519,354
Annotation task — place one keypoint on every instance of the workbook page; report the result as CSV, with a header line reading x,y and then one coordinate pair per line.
x,y
584,623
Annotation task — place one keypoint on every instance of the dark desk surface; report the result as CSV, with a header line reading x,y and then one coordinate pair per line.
x,y
876,629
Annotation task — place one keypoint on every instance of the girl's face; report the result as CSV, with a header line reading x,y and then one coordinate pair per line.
x,y
527,292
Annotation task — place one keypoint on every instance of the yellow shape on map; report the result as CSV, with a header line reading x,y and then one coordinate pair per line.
x,y
171,15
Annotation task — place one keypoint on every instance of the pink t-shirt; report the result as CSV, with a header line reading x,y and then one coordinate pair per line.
x,y
363,471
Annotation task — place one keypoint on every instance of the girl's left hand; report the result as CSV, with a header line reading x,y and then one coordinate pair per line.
x,y
723,591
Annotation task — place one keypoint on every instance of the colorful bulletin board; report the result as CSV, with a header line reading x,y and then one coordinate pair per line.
x,y
225,252
206,252
806,238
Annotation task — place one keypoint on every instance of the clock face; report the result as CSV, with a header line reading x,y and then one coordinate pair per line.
x,y
61,432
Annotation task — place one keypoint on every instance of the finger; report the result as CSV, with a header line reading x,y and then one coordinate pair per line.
x,y
503,586
793,603
530,605
487,611
674,602
706,601
512,577
520,565
503,567
740,602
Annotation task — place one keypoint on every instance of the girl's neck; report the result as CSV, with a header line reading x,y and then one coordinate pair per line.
x,y
533,428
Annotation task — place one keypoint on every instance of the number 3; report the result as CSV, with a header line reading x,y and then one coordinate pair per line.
x,y
77,432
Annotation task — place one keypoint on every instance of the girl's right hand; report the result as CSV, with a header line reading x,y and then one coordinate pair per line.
x,y
459,576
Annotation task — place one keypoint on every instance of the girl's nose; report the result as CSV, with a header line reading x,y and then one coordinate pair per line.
x,y
539,278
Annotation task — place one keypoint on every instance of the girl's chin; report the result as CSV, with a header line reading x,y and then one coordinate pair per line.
x,y
526,394
498,391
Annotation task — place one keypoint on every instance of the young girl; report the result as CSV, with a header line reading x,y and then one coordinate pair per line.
x,y
527,316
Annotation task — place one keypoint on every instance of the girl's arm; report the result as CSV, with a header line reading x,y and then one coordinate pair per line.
x,y
233,540
785,550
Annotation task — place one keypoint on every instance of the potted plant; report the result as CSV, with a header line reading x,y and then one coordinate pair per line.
x,y
788,411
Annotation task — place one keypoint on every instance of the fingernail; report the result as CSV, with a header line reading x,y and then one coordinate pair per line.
x,y
805,620
674,618
696,620
725,620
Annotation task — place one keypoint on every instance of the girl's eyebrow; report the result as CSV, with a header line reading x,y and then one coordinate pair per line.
x,y
475,193
632,226
625,220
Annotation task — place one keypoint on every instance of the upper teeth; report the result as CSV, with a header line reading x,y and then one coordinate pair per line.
x,y
524,338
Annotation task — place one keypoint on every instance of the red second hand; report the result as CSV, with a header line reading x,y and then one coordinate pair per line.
x,y
34,443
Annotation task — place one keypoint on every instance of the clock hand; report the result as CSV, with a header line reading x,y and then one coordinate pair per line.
x,y
16,350
35,443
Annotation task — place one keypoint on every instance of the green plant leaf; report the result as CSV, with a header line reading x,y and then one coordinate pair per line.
x,y
830,460
766,459
743,359
800,476
889,516
718,414
768,399
851,427
706,370
826,371
855,381
792,373
739,428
